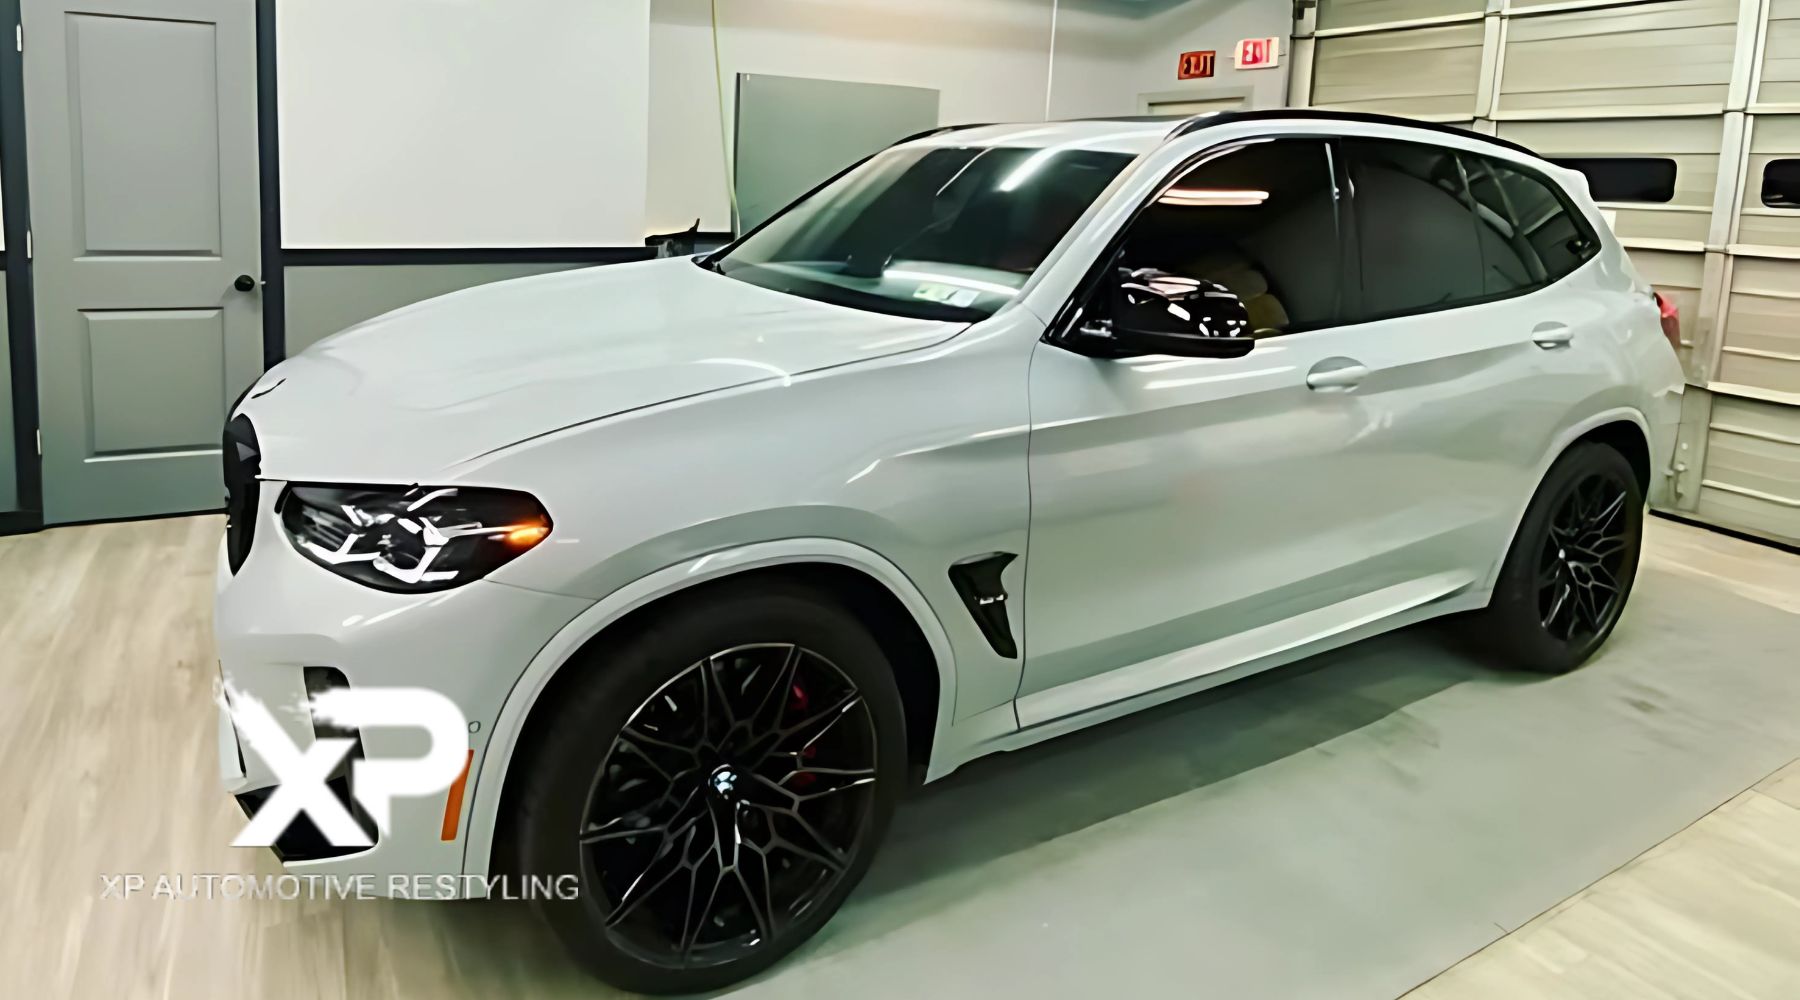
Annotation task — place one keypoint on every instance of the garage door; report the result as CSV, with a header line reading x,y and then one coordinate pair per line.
x,y
1685,117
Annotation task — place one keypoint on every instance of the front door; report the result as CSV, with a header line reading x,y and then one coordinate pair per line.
x,y
143,153
1192,514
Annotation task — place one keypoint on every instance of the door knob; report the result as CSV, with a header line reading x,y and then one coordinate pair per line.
x,y
244,283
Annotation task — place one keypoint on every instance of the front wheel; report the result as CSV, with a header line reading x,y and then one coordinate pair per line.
x,y
719,782
1571,566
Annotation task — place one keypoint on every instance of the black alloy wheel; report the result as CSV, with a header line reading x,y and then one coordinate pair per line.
x,y
729,805
1571,566
717,775
1579,594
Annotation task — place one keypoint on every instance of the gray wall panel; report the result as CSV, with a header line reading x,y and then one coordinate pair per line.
x,y
9,486
1334,14
794,132
321,300
1418,71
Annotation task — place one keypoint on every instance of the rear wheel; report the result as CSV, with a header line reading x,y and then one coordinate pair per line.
x,y
1571,566
719,784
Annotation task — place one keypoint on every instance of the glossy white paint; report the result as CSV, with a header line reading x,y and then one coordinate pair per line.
x,y
410,394
1180,522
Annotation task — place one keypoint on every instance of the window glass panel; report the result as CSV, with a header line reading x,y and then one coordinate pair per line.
x,y
1260,220
1530,237
934,232
1415,228
1781,184
1626,178
1509,261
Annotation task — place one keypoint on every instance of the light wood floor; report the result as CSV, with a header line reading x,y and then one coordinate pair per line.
x,y
106,666
1713,911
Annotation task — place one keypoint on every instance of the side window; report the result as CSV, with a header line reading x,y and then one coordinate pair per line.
x,y
1529,235
1781,184
1648,179
1416,235
1261,220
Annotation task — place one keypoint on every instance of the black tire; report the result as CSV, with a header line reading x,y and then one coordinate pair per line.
x,y
1526,625
664,680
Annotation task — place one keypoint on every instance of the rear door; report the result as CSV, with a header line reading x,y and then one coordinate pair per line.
x,y
1458,254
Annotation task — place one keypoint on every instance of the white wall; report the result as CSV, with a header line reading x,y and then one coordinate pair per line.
x,y
1218,25
473,123
463,123
990,60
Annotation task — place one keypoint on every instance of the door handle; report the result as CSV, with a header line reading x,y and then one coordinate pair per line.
x,y
1340,379
1551,336
244,283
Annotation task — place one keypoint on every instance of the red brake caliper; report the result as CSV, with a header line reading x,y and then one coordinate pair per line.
x,y
797,705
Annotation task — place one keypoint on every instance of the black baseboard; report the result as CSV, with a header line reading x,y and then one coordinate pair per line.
x,y
20,522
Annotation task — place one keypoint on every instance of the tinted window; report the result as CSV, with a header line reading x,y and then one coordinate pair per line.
x,y
1529,235
1626,178
934,232
1262,221
1416,232
1781,184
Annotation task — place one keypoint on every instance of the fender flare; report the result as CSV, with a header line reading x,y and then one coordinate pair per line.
x,y
489,779
1569,436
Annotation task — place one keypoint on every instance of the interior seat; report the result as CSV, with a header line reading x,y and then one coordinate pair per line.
x,y
1229,267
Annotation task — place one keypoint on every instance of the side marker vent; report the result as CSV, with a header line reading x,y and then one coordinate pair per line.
x,y
977,581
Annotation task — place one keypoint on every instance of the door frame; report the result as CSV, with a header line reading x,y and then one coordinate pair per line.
x,y
21,324
1205,92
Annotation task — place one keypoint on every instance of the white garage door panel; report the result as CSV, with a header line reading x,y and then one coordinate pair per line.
x,y
1772,137
1693,143
1781,55
1335,14
1418,71
1659,57
1678,275
1752,475
1762,326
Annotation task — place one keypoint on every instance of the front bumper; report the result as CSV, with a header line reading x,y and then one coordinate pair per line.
x,y
280,614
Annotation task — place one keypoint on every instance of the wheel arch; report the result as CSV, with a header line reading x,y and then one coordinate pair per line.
x,y
1622,428
874,589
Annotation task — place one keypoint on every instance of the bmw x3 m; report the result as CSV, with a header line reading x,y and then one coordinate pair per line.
x,y
1005,431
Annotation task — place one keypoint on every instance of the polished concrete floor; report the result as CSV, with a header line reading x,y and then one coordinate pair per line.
x,y
1349,827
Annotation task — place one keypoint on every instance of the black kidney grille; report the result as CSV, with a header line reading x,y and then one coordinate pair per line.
x,y
243,464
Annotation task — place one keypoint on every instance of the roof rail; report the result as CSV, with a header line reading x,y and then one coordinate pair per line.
x,y
1212,118
940,130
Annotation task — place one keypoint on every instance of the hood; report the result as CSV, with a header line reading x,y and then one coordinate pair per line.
x,y
405,395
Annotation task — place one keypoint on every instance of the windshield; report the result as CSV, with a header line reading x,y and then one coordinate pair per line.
x,y
933,233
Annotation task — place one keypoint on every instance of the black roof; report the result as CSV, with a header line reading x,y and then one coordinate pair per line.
x,y
1186,124
1198,122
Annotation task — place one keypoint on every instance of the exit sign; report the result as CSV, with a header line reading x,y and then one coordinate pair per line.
x,y
1258,53
1195,65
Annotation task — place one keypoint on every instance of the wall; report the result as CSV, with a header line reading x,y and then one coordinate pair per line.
x,y
990,60
1218,25
463,123
321,300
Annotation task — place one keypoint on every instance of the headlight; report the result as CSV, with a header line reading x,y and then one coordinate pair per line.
x,y
412,539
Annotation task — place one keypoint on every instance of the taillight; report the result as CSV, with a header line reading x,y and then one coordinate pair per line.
x,y
1671,318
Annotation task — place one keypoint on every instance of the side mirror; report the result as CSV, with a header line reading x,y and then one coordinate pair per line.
x,y
1154,312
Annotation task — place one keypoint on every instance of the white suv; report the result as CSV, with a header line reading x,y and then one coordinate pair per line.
x,y
1002,432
